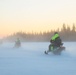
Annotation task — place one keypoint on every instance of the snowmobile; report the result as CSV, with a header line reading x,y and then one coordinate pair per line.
x,y
55,50
17,43
1,42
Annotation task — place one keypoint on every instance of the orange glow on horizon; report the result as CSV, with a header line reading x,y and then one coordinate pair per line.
x,y
35,15
5,31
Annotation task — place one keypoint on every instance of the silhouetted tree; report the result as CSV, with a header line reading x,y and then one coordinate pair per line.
x,y
66,34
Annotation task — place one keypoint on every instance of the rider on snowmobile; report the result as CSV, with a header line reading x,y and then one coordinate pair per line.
x,y
56,45
55,41
17,43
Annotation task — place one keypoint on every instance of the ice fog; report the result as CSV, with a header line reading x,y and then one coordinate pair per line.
x,y
30,59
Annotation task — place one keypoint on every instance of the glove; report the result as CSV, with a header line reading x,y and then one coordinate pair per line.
x,y
51,41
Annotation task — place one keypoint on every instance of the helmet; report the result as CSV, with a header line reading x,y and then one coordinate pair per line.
x,y
56,33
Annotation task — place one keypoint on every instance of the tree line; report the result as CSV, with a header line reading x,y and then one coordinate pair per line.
x,y
66,33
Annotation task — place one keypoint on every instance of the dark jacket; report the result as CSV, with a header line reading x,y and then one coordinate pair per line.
x,y
56,41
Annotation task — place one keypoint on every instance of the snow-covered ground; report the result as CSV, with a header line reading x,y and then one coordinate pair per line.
x,y
31,60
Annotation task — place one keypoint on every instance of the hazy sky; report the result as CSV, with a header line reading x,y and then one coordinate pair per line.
x,y
35,15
